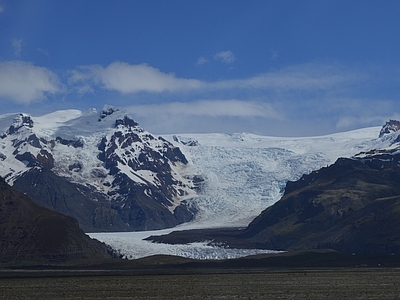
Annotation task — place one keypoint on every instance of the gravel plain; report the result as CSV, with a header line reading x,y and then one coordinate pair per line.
x,y
377,283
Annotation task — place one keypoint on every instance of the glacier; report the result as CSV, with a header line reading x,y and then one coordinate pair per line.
x,y
131,245
243,174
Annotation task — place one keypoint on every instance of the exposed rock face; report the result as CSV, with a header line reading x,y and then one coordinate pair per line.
x,y
31,233
101,168
391,126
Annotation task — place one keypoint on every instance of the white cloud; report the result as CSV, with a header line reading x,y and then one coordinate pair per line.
x,y
346,122
274,54
126,78
225,57
17,45
44,52
209,108
202,60
23,82
202,116
1,9
311,77
365,118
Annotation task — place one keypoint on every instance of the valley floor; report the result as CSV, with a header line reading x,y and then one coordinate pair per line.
x,y
356,283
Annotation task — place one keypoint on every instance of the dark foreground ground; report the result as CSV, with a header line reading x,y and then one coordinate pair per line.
x,y
292,275
376,283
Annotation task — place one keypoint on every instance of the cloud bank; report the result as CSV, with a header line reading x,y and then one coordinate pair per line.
x,y
126,78
23,82
129,79
322,97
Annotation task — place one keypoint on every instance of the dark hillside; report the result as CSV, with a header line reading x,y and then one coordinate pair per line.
x,y
31,233
350,206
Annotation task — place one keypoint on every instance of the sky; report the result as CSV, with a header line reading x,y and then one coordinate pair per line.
x,y
280,68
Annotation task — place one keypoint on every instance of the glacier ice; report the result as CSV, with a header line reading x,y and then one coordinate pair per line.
x,y
243,174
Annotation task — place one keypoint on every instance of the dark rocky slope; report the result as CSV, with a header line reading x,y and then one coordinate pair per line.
x,y
350,206
31,233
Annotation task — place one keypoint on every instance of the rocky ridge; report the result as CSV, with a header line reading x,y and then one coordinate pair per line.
x,y
100,167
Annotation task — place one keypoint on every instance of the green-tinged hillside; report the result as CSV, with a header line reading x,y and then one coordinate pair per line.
x,y
350,206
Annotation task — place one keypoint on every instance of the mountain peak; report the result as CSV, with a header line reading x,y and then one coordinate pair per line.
x,y
115,116
20,120
107,111
123,176
126,121
391,126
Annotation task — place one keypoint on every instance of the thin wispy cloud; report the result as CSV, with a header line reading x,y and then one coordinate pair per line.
x,y
23,82
17,46
225,56
44,52
211,108
354,112
202,60
301,77
274,54
232,115
1,9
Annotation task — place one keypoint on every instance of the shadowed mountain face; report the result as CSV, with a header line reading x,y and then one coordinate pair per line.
x,y
350,206
29,232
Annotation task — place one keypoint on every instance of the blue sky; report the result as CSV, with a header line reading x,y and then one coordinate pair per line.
x,y
284,68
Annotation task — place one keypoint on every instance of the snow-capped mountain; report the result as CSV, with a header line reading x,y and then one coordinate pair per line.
x,y
242,166
350,205
100,167
238,168
112,175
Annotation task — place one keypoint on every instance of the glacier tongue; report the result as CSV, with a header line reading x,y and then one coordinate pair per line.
x,y
245,173
131,245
